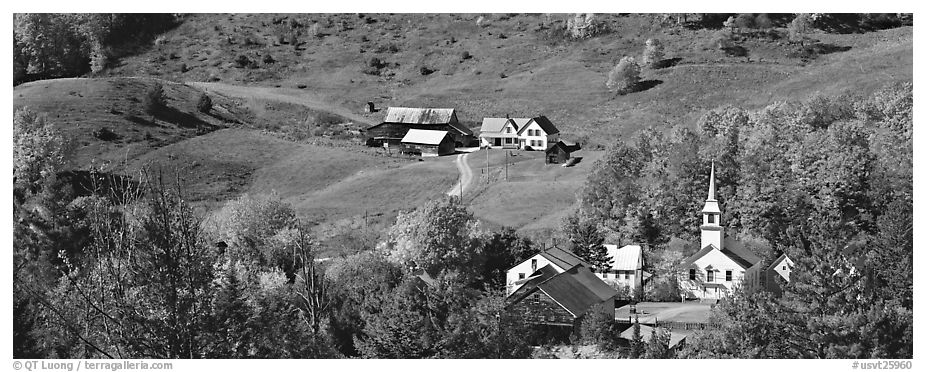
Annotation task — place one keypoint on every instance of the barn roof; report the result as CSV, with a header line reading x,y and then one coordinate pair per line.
x,y
626,257
424,137
563,258
409,115
577,290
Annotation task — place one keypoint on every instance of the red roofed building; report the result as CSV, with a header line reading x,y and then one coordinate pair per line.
x,y
561,298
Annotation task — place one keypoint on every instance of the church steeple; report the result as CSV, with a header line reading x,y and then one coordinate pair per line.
x,y
711,231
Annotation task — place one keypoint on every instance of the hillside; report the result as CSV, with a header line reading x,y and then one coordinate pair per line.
x,y
518,66
287,120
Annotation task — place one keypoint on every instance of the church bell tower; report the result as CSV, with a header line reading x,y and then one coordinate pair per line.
x,y
711,231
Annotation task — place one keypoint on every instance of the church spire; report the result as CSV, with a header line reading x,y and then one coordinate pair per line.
x,y
711,230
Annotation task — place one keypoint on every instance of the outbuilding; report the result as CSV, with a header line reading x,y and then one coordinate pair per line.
x,y
428,142
558,153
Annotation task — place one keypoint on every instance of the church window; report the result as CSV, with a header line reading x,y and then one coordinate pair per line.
x,y
710,276
729,276
520,275
692,274
710,218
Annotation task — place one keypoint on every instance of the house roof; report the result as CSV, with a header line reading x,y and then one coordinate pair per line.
x,y
628,257
410,115
424,137
542,121
563,258
732,249
577,290
424,277
646,332
559,145
493,124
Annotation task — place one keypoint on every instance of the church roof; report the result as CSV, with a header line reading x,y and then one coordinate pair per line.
x,y
732,249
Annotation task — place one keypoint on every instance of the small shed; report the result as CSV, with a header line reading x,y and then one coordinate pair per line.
x,y
558,153
428,142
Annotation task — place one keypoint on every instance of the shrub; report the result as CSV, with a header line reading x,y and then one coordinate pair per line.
x,y
424,70
653,53
465,55
154,99
375,63
204,103
268,59
242,61
624,76
744,20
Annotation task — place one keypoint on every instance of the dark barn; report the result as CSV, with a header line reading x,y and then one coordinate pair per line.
x,y
399,120
558,153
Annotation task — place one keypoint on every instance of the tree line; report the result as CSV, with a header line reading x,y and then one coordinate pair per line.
x,y
54,45
828,181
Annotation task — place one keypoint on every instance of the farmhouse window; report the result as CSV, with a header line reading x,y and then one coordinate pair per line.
x,y
534,265
520,275
729,277
710,276
626,275
784,267
604,275
692,275
508,130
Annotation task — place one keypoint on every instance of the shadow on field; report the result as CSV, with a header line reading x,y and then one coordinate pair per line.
x,y
666,63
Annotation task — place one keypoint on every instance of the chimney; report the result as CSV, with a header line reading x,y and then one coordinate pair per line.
x,y
507,116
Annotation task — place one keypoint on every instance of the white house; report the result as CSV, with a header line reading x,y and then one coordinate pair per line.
x,y
536,133
559,260
626,268
721,265
760,277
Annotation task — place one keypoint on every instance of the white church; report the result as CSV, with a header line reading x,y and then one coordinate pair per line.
x,y
724,265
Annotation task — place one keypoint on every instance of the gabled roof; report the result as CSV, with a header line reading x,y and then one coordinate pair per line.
x,y
627,257
559,145
779,260
576,289
542,121
424,137
563,258
490,125
409,115
734,251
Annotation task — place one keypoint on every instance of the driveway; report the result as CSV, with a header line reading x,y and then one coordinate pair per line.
x,y
466,176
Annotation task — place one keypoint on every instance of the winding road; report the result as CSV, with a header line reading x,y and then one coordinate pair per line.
x,y
466,175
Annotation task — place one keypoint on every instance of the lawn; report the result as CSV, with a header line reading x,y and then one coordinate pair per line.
x,y
536,196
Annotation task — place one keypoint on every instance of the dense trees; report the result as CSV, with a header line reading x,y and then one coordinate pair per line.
x,y
814,179
49,45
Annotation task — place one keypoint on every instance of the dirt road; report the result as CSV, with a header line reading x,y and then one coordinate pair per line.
x,y
296,97
466,176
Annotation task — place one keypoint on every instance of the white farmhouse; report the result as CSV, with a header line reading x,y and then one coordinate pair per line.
x,y
762,277
626,268
536,133
559,260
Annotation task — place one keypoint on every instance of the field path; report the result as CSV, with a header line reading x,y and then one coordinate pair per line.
x,y
466,175
293,96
